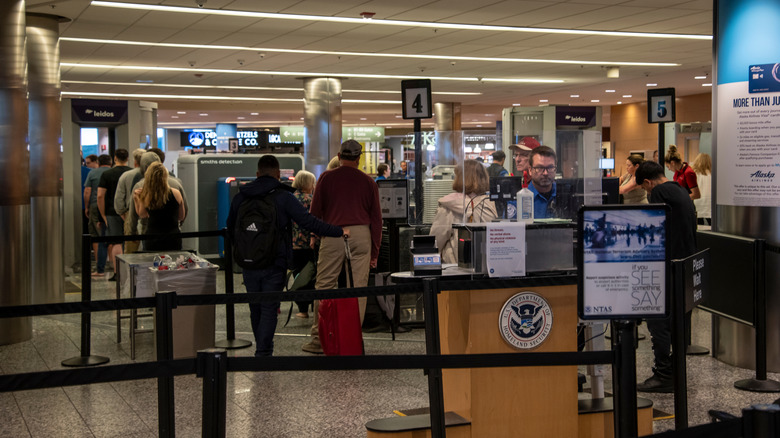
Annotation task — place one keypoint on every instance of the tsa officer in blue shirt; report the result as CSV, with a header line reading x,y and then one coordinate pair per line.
x,y
542,166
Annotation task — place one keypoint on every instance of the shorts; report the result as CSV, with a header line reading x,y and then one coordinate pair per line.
x,y
94,219
116,226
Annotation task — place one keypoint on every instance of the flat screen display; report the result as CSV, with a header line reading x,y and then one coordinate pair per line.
x,y
606,163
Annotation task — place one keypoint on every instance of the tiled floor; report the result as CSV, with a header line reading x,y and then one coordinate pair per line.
x,y
274,404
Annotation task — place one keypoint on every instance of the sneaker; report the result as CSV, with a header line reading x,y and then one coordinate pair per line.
x,y
656,383
113,278
312,347
302,315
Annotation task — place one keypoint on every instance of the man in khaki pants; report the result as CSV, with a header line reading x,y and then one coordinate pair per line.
x,y
348,198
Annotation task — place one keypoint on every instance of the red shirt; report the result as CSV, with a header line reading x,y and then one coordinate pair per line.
x,y
346,196
686,177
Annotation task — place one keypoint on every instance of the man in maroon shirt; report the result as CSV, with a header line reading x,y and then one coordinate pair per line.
x,y
348,198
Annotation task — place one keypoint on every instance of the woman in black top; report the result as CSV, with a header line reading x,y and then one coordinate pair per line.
x,y
164,208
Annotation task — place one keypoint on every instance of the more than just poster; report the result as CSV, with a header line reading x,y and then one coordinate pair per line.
x,y
748,136
623,266
505,249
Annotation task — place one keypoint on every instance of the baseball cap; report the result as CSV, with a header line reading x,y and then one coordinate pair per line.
x,y
526,144
351,149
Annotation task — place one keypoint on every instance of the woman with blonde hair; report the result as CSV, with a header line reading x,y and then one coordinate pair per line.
x,y
469,203
702,165
683,174
631,191
303,241
163,206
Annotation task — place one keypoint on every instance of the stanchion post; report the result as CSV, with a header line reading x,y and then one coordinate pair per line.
x,y
761,421
678,346
86,358
433,347
624,379
163,325
212,367
231,343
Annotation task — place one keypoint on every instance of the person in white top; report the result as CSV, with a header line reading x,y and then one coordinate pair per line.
x,y
702,165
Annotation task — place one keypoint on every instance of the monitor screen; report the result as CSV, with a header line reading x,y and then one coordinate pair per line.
x,y
606,163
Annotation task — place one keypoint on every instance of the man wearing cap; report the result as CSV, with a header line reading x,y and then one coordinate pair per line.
x,y
541,163
497,167
521,154
348,198
682,238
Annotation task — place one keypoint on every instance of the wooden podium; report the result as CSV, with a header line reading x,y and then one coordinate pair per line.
x,y
509,402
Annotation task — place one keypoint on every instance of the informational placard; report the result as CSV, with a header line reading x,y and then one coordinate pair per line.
x,y
416,99
623,264
697,274
505,249
661,107
394,198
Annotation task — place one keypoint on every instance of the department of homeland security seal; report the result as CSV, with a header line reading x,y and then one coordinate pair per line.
x,y
525,320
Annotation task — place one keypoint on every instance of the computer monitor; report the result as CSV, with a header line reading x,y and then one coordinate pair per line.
x,y
503,192
607,163
609,190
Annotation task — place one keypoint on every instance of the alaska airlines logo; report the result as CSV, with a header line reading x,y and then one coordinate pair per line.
x,y
762,176
525,320
99,113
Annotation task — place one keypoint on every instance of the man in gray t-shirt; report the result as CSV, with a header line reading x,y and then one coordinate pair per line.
x,y
96,225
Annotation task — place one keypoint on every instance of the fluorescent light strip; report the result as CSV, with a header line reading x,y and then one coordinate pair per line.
x,y
306,74
232,87
407,23
203,97
368,54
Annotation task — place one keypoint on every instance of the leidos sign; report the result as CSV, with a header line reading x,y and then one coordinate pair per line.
x,y
88,112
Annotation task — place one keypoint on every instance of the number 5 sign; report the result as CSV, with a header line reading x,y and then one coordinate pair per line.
x,y
660,105
416,97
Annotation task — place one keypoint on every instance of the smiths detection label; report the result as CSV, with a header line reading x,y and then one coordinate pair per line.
x,y
764,78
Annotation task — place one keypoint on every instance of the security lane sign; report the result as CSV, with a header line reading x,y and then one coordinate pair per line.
x,y
416,97
661,105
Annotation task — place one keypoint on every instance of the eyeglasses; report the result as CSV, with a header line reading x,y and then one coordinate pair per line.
x,y
548,169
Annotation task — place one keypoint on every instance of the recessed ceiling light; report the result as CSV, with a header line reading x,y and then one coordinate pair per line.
x,y
174,117
241,118
301,118
574,95
203,114
543,100
700,77
479,126
652,84
619,102
706,85
398,117
515,104
627,96
609,91
144,81
363,118
594,101
254,114
181,112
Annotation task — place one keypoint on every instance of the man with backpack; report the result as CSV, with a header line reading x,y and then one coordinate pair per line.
x,y
260,226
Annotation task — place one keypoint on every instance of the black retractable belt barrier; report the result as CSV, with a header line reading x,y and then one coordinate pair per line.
x,y
212,367
433,346
231,343
678,346
163,324
624,379
86,358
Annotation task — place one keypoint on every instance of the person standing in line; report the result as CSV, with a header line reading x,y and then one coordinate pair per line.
x,y
347,197
682,243
88,163
702,165
521,153
303,241
264,315
105,202
163,206
496,168
96,225
632,193
683,174
123,199
139,225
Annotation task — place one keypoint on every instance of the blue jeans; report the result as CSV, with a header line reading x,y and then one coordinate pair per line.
x,y
265,314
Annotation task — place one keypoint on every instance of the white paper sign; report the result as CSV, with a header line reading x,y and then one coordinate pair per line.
x,y
505,248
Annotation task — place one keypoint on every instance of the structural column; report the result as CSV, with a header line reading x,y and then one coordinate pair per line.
x,y
321,122
225,131
14,172
449,138
43,54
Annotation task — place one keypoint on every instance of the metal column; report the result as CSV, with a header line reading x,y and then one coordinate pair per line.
x,y
321,122
449,138
43,54
14,172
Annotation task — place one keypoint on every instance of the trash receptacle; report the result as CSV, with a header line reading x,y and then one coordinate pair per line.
x,y
193,326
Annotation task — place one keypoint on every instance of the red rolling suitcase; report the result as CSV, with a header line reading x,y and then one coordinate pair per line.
x,y
339,321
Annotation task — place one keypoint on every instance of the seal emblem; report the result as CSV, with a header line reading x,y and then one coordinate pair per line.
x,y
525,320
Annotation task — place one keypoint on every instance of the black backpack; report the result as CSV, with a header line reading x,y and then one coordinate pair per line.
x,y
256,236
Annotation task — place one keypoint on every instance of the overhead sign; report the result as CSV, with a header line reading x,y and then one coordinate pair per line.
x,y
416,99
575,116
98,112
623,265
363,133
291,133
661,105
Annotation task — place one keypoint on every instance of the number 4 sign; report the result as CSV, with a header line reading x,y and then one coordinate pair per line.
x,y
660,105
416,97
